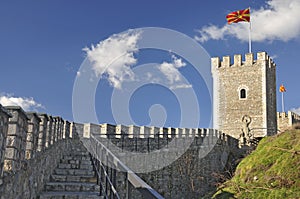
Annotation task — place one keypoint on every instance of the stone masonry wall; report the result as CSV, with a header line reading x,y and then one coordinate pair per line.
x,y
4,116
257,78
190,175
29,180
32,135
16,139
200,153
42,131
286,121
32,150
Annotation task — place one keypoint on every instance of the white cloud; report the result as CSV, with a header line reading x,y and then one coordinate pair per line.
x,y
277,20
296,110
211,32
180,86
114,57
273,56
171,72
28,104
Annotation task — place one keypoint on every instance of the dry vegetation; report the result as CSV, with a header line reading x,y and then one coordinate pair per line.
x,y
271,171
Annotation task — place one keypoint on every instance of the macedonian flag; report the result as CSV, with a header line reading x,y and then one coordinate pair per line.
x,y
282,88
237,16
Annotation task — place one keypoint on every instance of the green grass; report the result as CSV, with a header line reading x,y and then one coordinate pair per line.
x,y
271,171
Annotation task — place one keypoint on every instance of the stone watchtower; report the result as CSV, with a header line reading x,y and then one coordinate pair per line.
x,y
245,95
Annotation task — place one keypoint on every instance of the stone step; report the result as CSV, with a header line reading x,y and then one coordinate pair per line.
x,y
71,161
78,153
72,178
78,147
76,172
72,186
70,195
75,166
76,157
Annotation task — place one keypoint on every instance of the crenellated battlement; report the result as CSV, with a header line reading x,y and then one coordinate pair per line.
x,y
287,120
290,115
132,131
262,57
295,116
282,115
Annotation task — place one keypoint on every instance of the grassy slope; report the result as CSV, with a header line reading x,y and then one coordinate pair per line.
x,y
271,171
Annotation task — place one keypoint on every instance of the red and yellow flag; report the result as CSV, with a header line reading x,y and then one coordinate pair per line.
x,y
238,16
282,88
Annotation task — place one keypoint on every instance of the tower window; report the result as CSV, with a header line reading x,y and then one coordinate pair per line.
x,y
243,94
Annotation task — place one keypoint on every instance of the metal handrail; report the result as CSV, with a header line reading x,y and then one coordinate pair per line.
x,y
97,149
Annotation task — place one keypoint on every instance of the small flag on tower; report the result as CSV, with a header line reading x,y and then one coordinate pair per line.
x,y
282,88
238,16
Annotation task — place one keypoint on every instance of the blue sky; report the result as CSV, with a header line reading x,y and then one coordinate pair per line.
x,y
44,44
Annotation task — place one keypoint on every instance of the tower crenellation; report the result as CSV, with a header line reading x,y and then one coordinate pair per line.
x,y
249,59
226,61
237,60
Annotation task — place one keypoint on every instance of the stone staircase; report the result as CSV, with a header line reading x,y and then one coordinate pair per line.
x,y
74,177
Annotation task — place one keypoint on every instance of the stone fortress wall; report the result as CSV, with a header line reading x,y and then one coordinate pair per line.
x,y
286,121
33,143
208,155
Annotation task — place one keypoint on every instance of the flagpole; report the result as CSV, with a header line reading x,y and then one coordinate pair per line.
x,y
282,101
250,50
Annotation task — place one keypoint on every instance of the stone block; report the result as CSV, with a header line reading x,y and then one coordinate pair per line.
x,y
215,62
13,141
145,131
237,60
163,132
64,166
61,172
134,132
178,132
73,187
10,165
86,166
121,131
30,136
13,130
225,61
108,129
55,187
73,178
29,146
59,178
171,132
154,131
249,59
11,153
